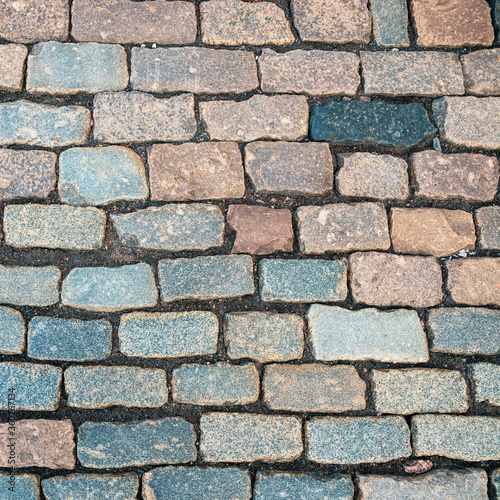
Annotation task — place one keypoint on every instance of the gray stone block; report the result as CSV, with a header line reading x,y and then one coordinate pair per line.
x,y
486,379
488,226
13,330
495,479
390,23
23,487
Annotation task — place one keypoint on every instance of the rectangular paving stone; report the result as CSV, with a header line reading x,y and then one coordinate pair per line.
x,y
133,444
71,68
382,279
308,280
313,387
282,117
204,278
126,21
168,335
186,483
12,58
342,227
110,288
357,440
264,336
390,23
419,390
368,334
123,117
220,384
465,330
193,69
488,226
23,487
29,123
29,286
12,339
69,339
105,386
471,439
247,437
54,226
486,382
481,72
289,167
310,72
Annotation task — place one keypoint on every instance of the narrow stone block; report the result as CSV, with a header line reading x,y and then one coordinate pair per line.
x,y
13,330
26,486
488,226
390,23
12,59
486,379
481,72
495,479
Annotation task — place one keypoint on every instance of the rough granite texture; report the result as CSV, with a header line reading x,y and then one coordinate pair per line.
x,y
12,58
486,379
488,226
481,72
390,23
27,486
12,340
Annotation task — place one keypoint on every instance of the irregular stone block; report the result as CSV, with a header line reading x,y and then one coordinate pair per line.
x,y
24,486
193,69
247,437
110,289
390,23
204,278
168,335
282,117
309,280
196,171
13,331
488,226
342,227
54,226
495,479
133,444
290,167
486,382
12,59
101,176
123,117
368,334
264,336
375,123
357,440
69,339
481,73
25,122
382,279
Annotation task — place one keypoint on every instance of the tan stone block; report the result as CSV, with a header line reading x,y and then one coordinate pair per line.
x,y
12,59
482,72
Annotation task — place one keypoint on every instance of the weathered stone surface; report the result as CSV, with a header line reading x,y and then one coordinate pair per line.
x,y
104,386
481,72
25,122
495,479
40,443
122,117
309,280
368,175
472,122
264,336
13,331
34,387
196,171
332,21
246,437
439,176
486,379
375,123
432,231
203,278
234,22
186,483
488,225
445,484
168,335
290,167
310,72
430,74
29,21
148,442
110,289
463,438
313,387
419,390
98,486
282,117
343,227
356,440
100,176
193,69
457,23
54,226
390,23
172,227
69,339
220,384
474,281
382,279
12,59
260,230
26,486
125,21
368,334
465,330
29,286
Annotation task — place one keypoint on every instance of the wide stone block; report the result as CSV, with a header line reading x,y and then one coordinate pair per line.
x,y
486,379
481,73
488,226
13,330
25,486
390,23
368,334
12,58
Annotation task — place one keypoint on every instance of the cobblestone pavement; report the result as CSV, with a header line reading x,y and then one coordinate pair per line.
x,y
249,249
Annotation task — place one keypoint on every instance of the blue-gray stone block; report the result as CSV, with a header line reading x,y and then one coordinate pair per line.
x,y
390,22
149,442
22,487
12,331
495,479
486,378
